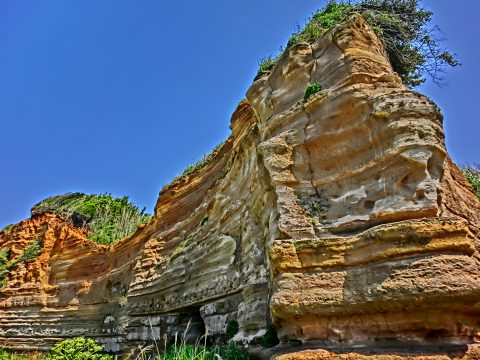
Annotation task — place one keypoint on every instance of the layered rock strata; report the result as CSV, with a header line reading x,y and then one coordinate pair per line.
x,y
337,219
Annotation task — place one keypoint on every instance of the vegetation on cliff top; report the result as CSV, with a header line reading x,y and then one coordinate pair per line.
x,y
107,218
200,163
472,174
203,161
7,227
412,43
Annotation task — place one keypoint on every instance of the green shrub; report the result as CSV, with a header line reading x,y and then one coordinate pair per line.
x,y
107,218
311,89
198,352
472,174
8,227
265,66
78,348
411,42
181,350
4,266
7,355
229,352
232,329
4,254
321,22
202,162
31,252
270,338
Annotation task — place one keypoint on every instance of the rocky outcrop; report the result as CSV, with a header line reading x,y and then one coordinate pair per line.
x,y
337,219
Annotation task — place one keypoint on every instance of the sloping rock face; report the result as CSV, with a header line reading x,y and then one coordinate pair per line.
x,y
338,219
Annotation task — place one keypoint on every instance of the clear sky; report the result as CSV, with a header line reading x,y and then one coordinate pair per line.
x,y
120,96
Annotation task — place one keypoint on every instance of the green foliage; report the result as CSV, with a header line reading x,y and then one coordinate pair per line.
x,y
4,255
31,252
229,352
266,65
4,354
8,227
472,174
203,161
198,165
181,350
270,338
87,349
232,329
78,348
108,218
310,90
4,266
7,355
198,352
185,352
411,42
321,22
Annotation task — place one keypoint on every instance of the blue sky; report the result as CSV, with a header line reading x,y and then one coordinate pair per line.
x,y
120,96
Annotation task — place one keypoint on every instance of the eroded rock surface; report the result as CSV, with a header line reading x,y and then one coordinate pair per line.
x,y
470,353
339,220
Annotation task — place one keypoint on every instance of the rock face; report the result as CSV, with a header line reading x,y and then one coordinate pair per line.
x,y
338,219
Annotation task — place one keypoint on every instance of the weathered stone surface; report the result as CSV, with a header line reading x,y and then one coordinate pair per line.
x,y
339,220
471,353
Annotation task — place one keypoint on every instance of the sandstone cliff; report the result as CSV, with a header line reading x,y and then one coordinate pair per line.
x,y
338,219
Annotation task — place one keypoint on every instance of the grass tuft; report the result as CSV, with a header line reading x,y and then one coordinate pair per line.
x,y
265,66
311,89
203,161
181,350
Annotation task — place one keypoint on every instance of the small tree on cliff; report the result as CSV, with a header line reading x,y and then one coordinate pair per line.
x,y
412,42
413,45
